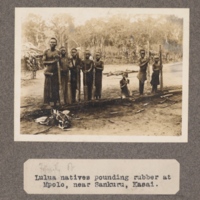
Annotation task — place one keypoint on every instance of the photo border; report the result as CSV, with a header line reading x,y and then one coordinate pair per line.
x,y
102,138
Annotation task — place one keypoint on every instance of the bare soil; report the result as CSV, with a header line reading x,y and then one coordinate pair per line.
x,y
144,117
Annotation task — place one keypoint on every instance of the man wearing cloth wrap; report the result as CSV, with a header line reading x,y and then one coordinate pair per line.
x,y
142,75
88,66
75,64
51,86
64,65
99,67
156,67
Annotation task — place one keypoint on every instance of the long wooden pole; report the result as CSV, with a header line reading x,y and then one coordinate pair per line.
x,y
61,96
78,80
79,85
161,71
93,81
85,84
69,92
148,66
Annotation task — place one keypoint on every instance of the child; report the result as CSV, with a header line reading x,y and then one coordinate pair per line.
x,y
99,67
123,85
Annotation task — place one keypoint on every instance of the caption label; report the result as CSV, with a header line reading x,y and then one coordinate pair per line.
x,y
78,176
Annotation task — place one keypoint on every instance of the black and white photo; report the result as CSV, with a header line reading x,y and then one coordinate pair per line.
x,y
101,74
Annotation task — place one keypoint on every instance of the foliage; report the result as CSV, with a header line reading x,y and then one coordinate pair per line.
x,y
34,29
62,27
118,36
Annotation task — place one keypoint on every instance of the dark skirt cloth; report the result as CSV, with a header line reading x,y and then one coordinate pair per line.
x,y
88,81
125,91
98,83
88,78
155,78
124,87
51,88
64,82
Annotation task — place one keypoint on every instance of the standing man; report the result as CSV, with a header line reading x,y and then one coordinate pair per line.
x,y
75,64
51,86
88,66
98,67
142,74
64,64
156,67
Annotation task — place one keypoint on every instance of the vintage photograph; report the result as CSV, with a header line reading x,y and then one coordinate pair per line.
x,y
101,74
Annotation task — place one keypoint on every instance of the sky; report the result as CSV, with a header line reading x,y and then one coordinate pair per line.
x,y
81,15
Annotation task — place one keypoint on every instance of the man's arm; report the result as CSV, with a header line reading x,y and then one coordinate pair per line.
x,y
49,62
80,64
44,59
57,56
91,66
122,86
101,68
144,62
70,64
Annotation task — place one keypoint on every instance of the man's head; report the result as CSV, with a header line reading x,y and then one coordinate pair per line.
x,y
87,54
156,59
53,43
74,52
98,55
63,51
142,53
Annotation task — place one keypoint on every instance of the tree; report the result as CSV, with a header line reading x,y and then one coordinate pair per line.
x,y
33,29
118,36
62,27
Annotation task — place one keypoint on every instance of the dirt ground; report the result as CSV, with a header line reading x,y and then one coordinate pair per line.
x,y
158,117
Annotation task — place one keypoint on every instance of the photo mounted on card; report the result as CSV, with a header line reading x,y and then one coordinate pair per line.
x,y
101,74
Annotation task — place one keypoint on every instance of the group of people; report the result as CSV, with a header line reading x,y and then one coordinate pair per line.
x,y
70,71
70,75
142,75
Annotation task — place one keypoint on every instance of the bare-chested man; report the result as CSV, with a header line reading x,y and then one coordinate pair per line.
x,y
51,86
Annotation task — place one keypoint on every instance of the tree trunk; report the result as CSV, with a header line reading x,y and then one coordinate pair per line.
x,y
161,71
